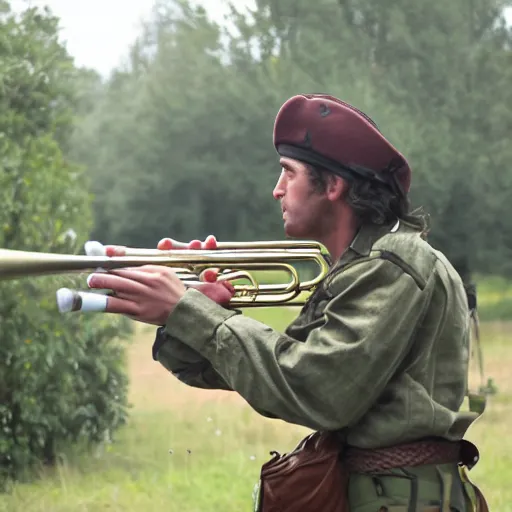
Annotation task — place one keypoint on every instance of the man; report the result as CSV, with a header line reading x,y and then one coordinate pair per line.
x,y
379,354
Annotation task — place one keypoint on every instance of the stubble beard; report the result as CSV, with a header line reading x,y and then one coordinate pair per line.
x,y
314,224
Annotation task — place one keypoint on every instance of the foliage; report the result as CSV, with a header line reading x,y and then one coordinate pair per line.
x,y
61,378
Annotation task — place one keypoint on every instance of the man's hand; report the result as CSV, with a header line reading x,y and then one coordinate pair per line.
x,y
150,293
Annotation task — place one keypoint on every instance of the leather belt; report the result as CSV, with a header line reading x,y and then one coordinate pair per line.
x,y
417,453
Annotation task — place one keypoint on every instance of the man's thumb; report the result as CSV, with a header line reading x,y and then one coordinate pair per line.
x,y
220,292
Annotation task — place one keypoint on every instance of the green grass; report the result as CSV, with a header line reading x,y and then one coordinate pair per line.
x,y
213,466
218,444
494,298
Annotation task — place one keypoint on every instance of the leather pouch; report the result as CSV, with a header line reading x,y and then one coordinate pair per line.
x,y
309,478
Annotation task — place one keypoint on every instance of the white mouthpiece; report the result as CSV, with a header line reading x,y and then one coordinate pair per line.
x,y
72,300
93,248
64,300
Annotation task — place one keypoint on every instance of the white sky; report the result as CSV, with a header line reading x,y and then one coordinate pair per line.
x,y
98,36
98,33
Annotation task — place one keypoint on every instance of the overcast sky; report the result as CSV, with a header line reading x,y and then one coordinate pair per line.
x,y
101,41
99,32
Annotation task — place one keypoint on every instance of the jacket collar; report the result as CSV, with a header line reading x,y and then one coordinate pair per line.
x,y
365,239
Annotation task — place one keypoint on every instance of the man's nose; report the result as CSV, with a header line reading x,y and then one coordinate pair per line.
x,y
278,191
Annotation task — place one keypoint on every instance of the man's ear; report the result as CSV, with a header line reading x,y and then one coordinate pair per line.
x,y
337,188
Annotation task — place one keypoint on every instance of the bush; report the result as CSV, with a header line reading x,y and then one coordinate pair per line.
x,y
61,377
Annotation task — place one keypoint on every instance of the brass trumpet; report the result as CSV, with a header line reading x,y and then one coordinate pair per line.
x,y
236,261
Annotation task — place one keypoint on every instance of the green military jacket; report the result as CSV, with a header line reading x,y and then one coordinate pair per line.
x,y
380,351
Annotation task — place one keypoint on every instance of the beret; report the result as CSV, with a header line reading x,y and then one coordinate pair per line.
x,y
324,131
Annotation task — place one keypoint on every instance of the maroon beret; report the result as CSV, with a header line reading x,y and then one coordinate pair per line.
x,y
324,131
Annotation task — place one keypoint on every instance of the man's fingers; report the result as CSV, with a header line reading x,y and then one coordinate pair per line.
x,y
210,242
195,244
146,269
166,244
115,250
117,283
121,306
145,275
221,293
209,275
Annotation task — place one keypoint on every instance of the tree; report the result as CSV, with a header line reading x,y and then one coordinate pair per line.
x,y
187,129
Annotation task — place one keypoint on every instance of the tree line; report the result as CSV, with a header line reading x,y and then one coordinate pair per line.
x,y
179,141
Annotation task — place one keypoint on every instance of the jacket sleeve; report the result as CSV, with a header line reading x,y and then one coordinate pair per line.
x,y
185,363
329,381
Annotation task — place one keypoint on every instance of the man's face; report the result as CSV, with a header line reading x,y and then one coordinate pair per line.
x,y
306,211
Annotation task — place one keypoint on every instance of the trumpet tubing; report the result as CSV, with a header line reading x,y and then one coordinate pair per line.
x,y
236,261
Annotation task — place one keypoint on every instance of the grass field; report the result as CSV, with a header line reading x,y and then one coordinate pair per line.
x,y
190,450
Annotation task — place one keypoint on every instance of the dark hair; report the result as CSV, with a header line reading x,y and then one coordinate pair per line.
x,y
372,201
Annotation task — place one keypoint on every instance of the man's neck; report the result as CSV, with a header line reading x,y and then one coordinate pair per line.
x,y
339,239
